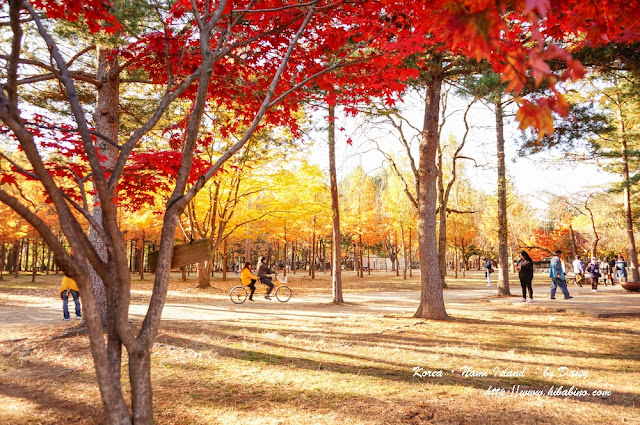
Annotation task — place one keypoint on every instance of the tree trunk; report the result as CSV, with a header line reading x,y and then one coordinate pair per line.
x,y
503,231
3,251
410,259
140,378
336,276
18,262
404,253
395,239
107,122
142,257
442,219
225,258
204,273
48,259
312,254
293,257
574,245
431,296
628,213
34,259
26,254
324,255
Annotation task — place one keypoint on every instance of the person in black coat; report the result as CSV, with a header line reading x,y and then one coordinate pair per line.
x,y
525,273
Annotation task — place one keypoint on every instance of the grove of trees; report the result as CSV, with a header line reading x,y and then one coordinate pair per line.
x,y
130,126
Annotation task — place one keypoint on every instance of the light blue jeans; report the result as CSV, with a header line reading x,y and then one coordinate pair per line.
x,y
555,282
65,302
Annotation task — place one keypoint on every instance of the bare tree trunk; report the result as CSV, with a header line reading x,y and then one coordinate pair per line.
x,y
503,231
18,262
404,253
34,259
26,254
107,121
142,256
361,256
336,276
410,259
312,254
431,296
3,252
574,245
48,259
204,269
395,239
293,256
225,258
628,213
324,255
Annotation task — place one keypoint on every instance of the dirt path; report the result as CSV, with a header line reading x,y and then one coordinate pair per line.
x,y
610,301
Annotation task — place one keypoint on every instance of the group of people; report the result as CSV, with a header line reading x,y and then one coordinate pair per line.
x,y
608,269
69,287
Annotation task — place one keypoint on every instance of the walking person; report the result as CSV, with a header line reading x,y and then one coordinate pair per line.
x,y
69,287
578,270
556,272
525,273
594,273
488,265
621,269
605,271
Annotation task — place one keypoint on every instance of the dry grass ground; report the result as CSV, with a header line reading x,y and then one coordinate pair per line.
x,y
351,368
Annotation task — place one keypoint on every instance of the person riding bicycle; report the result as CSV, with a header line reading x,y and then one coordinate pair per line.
x,y
263,270
249,279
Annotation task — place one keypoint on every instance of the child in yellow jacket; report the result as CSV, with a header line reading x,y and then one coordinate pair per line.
x,y
69,286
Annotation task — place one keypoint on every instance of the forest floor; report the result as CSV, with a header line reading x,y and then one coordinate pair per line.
x,y
308,361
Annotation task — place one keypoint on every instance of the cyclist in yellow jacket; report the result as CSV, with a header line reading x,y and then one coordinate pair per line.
x,y
69,286
249,279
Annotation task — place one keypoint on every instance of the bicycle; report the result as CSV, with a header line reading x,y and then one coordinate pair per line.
x,y
239,293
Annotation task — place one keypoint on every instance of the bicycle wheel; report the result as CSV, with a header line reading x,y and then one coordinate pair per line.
x,y
283,293
238,294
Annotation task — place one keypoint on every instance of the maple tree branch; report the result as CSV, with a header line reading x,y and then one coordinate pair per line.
x,y
266,104
540,248
85,213
275,9
80,182
396,170
34,220
14,58
75,130
80,76
451,210
19,168
100,180
319,74
81,53
130,144
196,15
456,154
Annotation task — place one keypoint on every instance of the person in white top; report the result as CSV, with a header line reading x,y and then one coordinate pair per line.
x,y
578,270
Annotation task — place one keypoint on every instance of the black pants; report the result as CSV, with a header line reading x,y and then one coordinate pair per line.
x,y
252,285
267,281
526,285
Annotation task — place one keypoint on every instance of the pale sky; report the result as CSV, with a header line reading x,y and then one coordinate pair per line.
x,y
531,177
